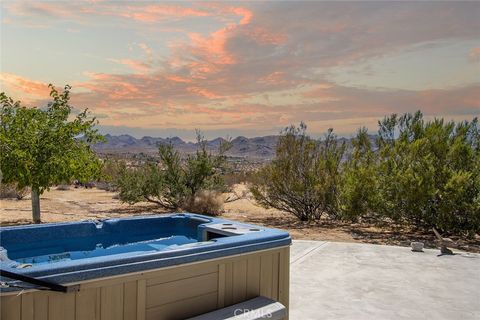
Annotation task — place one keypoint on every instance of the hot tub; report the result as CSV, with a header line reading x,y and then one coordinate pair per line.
x,y
154,267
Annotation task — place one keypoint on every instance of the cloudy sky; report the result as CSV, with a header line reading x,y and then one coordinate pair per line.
x,y
250,68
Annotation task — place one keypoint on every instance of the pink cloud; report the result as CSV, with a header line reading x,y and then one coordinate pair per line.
x,y
141,12
176,78
203,92
26,89
210,79
136,65
212,48
154,102
154,13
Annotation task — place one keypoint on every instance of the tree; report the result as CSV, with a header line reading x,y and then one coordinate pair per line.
x,y
303,178
43,147
176,183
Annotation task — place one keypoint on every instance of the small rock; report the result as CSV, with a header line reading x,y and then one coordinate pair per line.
x,y
417,246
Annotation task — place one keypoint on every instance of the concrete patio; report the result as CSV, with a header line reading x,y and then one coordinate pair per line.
x,y
360,281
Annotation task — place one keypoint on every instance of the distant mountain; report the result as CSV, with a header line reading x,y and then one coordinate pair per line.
x,y
256,148
260,147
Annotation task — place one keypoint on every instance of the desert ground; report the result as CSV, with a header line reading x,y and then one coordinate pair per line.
x,y
83,204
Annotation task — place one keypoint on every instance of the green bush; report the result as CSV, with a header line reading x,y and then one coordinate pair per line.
x,y
421,173
359,181
428,173
303,178
175,183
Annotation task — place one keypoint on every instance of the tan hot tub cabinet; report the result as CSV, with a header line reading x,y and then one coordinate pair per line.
x,y
176,292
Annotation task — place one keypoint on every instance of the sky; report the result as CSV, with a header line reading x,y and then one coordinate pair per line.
x,y
244,68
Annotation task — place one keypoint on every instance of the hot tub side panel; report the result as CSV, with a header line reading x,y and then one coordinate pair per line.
x,y
170,293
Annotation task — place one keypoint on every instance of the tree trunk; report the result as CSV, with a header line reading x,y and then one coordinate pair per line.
x,y
36,206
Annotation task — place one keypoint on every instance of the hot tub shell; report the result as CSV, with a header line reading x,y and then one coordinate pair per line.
x,y
236,262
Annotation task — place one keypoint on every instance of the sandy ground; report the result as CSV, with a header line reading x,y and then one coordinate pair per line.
x,y
81,204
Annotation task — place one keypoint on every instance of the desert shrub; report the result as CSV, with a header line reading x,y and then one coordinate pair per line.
x,y
205,202
424,173
358,191
143,183
233,178
11,191
303,178
176,183
112,169
63,187
428,173
8,191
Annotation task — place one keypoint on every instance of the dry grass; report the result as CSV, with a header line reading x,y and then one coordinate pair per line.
x,y
206,202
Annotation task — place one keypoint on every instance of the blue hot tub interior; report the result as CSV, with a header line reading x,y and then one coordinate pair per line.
x,y
89,239
78,251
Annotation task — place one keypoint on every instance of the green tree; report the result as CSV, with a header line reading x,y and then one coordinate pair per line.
x,y
43,147
304,176
175,183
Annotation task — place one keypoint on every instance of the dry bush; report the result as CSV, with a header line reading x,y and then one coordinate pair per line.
x,y
10,191
63,187
206,202
106,186
234,178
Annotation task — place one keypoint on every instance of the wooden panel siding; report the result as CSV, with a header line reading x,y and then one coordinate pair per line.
x,y
168,293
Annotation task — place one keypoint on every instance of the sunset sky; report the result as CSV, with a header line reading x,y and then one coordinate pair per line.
x,y
244,68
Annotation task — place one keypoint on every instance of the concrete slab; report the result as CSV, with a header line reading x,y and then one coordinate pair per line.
x,y
361,281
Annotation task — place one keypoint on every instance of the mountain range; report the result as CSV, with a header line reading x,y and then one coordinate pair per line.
x,y
254,148
258,147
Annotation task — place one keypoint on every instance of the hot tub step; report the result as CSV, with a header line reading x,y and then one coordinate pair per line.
x,y
257,308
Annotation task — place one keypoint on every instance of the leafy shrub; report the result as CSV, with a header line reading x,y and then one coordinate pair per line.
x,y
428,174
177,183
112,169
358,191
303,178
424,173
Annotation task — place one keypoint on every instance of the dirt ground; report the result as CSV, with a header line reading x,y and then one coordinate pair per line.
x,y
81,204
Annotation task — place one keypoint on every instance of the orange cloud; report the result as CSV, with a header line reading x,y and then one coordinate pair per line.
x,y
212,48
24,88
223,10
136,65
155,12
203,92
141,12
176,78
